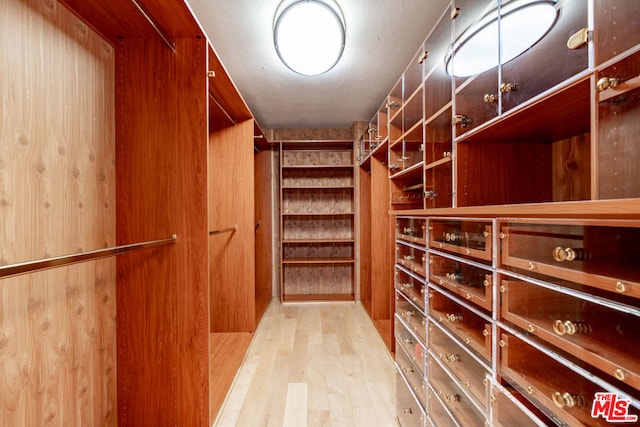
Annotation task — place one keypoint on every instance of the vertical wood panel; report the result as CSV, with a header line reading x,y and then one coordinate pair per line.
x,y
57,196
264,233
231,255
365,239
162,189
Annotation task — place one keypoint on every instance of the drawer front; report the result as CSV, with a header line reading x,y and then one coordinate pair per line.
x,y
508,409
411,258
469,327
408,411
411,346
413,376
453,397
463,237
600,254
412,230
438,415
559,390
411,316
603,337
468,281
470,373
412,288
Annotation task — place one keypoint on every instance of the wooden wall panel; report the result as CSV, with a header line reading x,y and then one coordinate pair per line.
x,y
365,239
162,189
264,230
382,232
57,196
231,255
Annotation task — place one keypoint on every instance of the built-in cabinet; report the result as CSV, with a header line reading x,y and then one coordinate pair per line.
x,y
513,306
120,128
317,208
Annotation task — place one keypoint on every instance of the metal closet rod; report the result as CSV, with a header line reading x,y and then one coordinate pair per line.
x,y
59,261
224,230
171,45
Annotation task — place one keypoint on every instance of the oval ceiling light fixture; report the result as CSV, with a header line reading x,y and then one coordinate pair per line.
x,y
309,35
522,23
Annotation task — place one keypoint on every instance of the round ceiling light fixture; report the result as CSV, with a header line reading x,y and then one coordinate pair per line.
x,y
520,23
309,35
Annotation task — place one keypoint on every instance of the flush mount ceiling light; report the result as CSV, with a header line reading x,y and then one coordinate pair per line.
x,y
309,35
522,24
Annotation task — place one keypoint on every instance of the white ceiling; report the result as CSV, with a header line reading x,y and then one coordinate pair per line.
x,y
382,37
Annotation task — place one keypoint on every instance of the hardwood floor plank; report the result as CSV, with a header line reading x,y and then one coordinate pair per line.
x,y
313,364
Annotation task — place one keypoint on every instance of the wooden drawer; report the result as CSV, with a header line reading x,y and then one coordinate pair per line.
x,y
411,316
408,410
467,370
413,375
414,349
602,254
469,327
508,409
470,238
438,414
603,337
451,395
412,258
470,282
558,389
412,287
412,230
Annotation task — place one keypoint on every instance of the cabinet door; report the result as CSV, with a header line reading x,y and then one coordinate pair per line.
x,y
619,129
618,27
549,61
472,85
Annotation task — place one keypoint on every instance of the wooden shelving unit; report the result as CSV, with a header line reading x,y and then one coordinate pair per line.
x,y
317,220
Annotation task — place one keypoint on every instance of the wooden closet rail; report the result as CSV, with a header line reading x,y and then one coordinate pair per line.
x,y
59,261
171,45
224,230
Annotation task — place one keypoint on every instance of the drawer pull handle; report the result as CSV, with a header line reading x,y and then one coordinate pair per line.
x,y
409,313
531,390
486,233
454,276
451,317
621,287
502,343
502,235
485,332
453,237
452,357
408,341
452,397
406,285
532,266
568,400
408,369
409,257
531,328
508,87
486,283
467,340
571,328
407,411
561,254
492,398
503,289
490,98
619,374
409,230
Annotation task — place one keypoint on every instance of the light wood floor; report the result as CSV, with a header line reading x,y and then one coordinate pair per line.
x,y
313,364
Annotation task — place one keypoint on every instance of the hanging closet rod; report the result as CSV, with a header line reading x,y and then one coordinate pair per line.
x,y
224,230
171,45
43,264
222,109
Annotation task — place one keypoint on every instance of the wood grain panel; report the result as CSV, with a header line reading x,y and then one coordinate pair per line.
x,y
572,169
162,189
263,230
365,239
231,255
57,196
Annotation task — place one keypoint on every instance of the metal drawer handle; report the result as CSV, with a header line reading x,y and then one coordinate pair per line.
x,y
409,230
568,400
409,313
407,411
408,369
452,397
561,254
409,257
451,317
568,327
454,276
453,236
452,357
